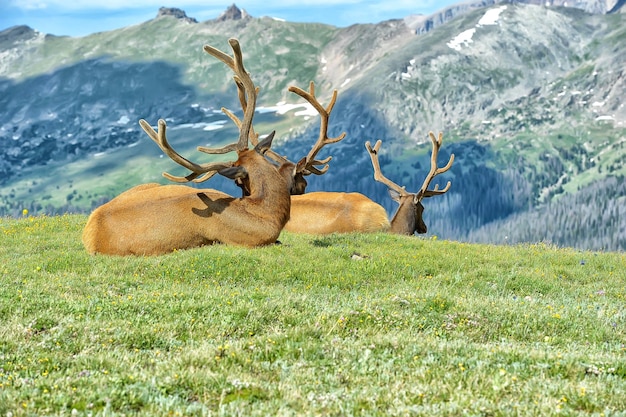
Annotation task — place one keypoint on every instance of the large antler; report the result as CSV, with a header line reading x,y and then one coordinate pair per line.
x,y
378,175
253,137
247,94
246,91
323,139
199,172
434,170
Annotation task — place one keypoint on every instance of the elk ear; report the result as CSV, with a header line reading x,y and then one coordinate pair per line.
x,y
395,196
265,144
234,173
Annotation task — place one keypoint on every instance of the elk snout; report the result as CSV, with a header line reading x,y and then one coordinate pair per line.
x,y
420,226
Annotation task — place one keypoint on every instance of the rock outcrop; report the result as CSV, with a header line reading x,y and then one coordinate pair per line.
x,y
177,13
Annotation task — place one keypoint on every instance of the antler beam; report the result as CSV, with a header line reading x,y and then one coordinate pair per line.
x,y
198,170
378,175
246,91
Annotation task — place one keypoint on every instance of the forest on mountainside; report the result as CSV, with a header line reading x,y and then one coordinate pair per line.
x,y
593,218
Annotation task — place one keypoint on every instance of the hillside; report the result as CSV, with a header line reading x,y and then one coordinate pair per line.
x,y
382,325
528,97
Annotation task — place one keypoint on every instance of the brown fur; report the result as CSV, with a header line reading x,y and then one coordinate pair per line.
x,y
408,217
331,212
153,219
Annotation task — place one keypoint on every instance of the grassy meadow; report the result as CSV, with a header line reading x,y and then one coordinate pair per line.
x,y
338,325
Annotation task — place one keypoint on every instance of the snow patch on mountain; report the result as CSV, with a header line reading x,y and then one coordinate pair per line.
x,y
465,38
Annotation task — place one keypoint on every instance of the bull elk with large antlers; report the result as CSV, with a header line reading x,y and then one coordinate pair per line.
x,y
153,219
331,212
408,217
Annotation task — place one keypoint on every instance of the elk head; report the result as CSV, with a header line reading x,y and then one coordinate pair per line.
x,y
408,218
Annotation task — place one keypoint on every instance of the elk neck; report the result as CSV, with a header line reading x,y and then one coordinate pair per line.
x,y
408,218
268,187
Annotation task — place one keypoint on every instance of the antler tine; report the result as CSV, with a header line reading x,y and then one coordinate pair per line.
x,y
200,172
253,137
378,175
434,170
323,138
241,93
246,91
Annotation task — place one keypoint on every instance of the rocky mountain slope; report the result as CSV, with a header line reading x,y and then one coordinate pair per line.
x,y
529,99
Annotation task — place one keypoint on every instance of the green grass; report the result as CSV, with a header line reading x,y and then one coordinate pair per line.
x,y
339,325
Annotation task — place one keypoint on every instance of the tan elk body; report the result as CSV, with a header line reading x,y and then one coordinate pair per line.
x,y
152,219
323,213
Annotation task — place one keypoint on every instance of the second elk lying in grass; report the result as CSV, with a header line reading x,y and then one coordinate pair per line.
x,y
152,219
329,212
333,212
325,212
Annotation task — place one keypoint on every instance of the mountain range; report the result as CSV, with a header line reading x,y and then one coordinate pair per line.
x,y
528,96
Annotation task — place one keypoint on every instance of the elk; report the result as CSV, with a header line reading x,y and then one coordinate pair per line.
x,y
332,212
153,219
408,217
